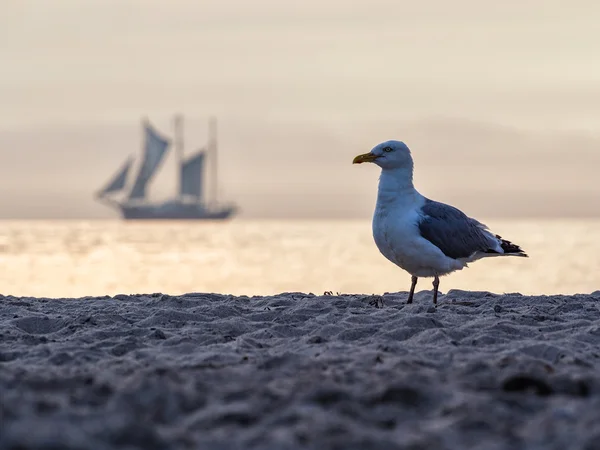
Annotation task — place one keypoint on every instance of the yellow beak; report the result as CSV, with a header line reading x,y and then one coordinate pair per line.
x,y
366,157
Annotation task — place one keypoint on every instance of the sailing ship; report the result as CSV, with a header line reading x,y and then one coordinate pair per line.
x,y
132,202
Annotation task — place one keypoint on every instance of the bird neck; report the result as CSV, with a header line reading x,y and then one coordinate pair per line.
x,y
395,182
395,188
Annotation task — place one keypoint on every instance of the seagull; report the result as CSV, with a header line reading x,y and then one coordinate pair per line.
x,y
424,237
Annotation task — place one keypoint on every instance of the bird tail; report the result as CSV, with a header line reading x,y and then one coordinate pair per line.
x,y
510,248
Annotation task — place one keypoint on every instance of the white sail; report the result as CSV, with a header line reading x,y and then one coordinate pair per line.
x,y
118,181
155,148
191,176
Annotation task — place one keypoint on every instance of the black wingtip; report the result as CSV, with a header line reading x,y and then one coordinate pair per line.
x,y
510,248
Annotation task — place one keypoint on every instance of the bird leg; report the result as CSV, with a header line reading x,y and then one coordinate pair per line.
x,y
436,284
412,289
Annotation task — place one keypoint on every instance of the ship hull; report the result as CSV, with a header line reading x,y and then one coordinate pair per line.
x,y
175,211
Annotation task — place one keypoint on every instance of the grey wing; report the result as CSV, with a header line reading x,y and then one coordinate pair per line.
x,y
453,232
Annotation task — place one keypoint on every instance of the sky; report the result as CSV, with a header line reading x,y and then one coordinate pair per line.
x,y
498,101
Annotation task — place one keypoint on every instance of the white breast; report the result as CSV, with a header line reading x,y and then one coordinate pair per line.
x,y
395,230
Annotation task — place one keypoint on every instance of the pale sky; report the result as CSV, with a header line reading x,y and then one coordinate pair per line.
x,y
300,88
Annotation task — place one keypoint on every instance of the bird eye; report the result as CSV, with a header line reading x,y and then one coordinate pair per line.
x,y
387,149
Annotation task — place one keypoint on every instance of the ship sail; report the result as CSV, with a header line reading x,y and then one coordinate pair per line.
x,y
191,176
119,180
155,148
133,178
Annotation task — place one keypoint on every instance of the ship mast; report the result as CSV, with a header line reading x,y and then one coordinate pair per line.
x,y
178,134
212,145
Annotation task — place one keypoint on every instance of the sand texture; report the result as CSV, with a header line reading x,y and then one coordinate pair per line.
x,y
482,371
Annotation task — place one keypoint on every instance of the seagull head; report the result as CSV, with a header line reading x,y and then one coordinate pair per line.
x,y
388,155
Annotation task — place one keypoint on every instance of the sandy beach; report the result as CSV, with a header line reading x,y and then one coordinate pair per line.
x,y
480,371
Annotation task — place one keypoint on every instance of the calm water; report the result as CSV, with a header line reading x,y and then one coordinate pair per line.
x,y
67,259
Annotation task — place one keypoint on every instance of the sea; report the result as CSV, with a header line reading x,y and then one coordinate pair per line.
x,y
59,259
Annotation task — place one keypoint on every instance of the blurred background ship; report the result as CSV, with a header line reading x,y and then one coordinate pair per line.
x,y
131,198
